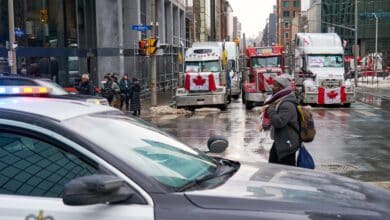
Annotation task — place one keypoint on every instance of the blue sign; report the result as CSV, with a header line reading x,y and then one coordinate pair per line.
x,y
19,32
141,27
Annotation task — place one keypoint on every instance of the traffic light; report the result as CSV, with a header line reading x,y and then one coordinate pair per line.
x,y
142,47
152,46
43,16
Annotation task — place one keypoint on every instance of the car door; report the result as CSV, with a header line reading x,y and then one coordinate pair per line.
x,y
33,171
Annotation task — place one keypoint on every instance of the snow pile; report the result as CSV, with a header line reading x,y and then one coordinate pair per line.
x,y
167,110
207,110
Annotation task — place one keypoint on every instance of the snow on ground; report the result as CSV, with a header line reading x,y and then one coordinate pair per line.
x,y
167,110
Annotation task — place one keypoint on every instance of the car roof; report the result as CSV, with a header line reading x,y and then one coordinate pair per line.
x,y
57,109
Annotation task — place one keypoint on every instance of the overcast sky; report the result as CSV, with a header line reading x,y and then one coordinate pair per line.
x,y
253,14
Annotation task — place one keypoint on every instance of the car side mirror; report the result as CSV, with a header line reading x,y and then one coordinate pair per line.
x,y
217,144
95,189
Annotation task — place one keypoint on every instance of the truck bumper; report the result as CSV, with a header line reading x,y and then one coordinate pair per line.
x,y
312,98
200,100
235,91
256,97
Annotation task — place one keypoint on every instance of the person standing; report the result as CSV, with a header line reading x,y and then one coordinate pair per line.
x,y
283,116
135,102
85,87
125,85
116,102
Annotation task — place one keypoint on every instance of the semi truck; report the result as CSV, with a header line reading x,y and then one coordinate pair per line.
x,y
263,64
319,70
203,82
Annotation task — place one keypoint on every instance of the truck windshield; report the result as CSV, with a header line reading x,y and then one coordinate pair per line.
x,y
261,62
325,60
203,66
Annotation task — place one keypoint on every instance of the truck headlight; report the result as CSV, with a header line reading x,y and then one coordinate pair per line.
x,y
311,89
181,91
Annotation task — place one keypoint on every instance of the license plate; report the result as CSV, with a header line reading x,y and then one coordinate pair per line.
x,y
200,101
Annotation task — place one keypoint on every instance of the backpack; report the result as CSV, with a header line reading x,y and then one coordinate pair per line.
x,y
307,130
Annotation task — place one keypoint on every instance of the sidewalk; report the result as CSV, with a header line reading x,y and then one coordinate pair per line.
x,y
374,92
163,98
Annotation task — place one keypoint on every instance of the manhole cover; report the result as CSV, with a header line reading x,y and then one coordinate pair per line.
x,y
336,168
384,185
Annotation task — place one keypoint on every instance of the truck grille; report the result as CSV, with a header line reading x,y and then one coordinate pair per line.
x,y
331,83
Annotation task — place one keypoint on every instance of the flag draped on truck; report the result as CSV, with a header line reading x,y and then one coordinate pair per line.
x,y
200,82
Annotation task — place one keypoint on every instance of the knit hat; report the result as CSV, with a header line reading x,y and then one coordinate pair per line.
x,y
283,81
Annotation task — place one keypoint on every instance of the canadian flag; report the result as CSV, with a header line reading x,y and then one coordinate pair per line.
x,y
331,95
200,82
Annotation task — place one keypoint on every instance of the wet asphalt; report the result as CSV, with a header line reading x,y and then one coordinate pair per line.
x,y
354,142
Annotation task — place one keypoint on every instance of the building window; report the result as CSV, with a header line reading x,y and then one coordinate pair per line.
x,y
296,4
286,14
286,25
286,35
286,4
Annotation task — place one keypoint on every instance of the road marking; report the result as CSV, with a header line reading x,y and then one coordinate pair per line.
x,y
366,113
339,113
198,117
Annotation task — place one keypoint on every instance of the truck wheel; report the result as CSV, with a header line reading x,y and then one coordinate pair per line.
x,y
347,105
235,97
249,105
243,97
223,107
229,99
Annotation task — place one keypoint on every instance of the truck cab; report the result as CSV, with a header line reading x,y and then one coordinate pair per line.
x,y
204,81
319,70
263,64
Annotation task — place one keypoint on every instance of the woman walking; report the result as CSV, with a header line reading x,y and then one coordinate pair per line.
x,y
135,102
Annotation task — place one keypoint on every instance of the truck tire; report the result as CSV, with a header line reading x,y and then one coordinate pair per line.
x,y
243,97
223,107
235,96
347,105
249,105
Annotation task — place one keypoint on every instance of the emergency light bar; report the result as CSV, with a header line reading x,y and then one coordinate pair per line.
x,y
23,90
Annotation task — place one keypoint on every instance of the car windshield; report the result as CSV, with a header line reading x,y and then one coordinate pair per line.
x,y
54,87
325,61
145,148
203,66
262,62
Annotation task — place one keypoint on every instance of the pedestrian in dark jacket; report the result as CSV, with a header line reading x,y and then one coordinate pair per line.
x,y
116,102
282,112
107,91
135,102
125,85
85,87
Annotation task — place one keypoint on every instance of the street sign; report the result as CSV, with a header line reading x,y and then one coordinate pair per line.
x,y
141,27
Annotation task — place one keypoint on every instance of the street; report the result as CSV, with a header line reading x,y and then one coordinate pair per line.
x,y
350,141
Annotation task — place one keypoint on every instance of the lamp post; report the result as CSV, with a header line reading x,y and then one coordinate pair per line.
x,y
356,43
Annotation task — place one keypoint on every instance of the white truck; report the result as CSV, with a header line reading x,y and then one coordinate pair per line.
x,y
319,70
203,82
234,76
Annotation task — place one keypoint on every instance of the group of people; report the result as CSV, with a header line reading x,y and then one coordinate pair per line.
x,y
123,93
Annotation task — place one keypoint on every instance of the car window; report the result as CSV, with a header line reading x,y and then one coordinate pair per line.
x,y
144,148
32,167
17,82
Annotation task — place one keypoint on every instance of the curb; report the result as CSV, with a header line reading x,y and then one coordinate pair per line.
x,y
370,98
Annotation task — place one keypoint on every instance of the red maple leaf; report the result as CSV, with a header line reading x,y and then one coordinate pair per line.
x,y
332,94
199,81
270,81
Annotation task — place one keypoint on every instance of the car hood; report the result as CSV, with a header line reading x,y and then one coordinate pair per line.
x,y
289,189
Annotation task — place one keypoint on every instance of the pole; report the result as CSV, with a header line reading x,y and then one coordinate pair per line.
x,y
154,59
356,51
12,61
376,47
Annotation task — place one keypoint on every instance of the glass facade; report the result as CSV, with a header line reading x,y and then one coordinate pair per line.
x,y
343,12
56,38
